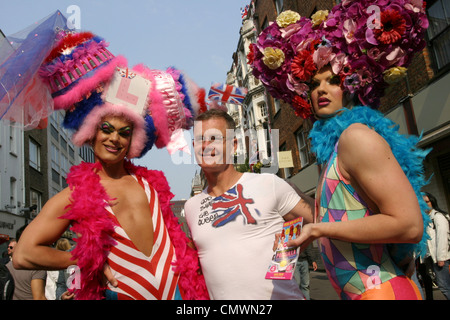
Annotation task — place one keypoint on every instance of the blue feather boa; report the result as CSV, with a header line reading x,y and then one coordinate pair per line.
x,y
325,134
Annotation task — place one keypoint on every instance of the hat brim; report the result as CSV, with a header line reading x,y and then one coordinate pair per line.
x,y
88,129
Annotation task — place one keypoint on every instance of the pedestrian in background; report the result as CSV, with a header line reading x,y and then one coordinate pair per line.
x,y
439,244
56,279
61,282
305,259
11,245
28,284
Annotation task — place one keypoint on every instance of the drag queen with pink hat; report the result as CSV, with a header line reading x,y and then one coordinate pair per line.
x,y
119,212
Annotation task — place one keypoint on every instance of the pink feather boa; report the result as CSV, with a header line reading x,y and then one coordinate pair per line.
x,y
90,220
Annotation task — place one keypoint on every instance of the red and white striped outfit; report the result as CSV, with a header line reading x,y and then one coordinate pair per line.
x,y
141,277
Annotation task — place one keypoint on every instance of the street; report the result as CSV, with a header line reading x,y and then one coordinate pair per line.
x,y
320,287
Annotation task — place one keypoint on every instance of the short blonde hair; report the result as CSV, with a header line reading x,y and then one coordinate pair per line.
x,y
63,244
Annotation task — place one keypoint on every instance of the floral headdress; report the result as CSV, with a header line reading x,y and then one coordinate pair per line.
x,y
368,44
89,83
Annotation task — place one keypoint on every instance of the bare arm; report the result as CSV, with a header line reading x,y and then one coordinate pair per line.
x,y
38,289
305,208
366,160
33,250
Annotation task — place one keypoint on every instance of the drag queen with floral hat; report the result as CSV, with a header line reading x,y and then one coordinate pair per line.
x,y
120,212
333,68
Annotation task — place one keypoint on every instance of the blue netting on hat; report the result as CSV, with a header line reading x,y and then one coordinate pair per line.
x,y
21,55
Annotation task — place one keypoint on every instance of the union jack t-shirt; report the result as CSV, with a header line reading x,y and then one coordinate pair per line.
x,y
234,234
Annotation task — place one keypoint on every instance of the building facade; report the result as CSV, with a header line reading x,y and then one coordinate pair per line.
x,y
12,194
34,167
251,117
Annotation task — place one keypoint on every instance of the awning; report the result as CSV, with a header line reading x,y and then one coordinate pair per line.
x,y
3,238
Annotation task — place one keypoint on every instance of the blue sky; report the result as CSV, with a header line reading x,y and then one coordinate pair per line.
x,y
196,36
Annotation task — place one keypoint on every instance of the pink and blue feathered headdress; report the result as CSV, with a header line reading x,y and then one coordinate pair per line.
x,y
89,83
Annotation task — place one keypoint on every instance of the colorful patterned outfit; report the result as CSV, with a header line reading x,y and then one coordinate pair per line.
x,y
356,271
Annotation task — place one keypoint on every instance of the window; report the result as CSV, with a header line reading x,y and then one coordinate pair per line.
x,y
71,153
302,147
55,156
277,105
13,192
87,154
439,32
64,182
64,164
279,6
54,132
12,138
54,119
63,144
36,199
242,60
268,133
55,176
262,109
54,192
265,24
35,155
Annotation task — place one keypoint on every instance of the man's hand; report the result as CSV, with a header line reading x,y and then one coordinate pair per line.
x,y
67,296
108,276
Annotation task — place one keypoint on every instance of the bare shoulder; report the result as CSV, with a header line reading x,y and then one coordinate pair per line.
x,y
358,132
361,147
62,196
360,139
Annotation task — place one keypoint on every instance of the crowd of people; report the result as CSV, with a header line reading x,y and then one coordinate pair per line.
x,y
372,221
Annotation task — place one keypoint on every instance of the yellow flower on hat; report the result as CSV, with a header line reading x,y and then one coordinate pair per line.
x,y
394,74
318,17
287,18
273,57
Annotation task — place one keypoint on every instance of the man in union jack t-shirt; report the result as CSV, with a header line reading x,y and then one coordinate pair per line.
x,y
234,220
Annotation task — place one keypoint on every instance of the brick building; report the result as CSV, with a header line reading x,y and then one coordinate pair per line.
x,y
419,104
